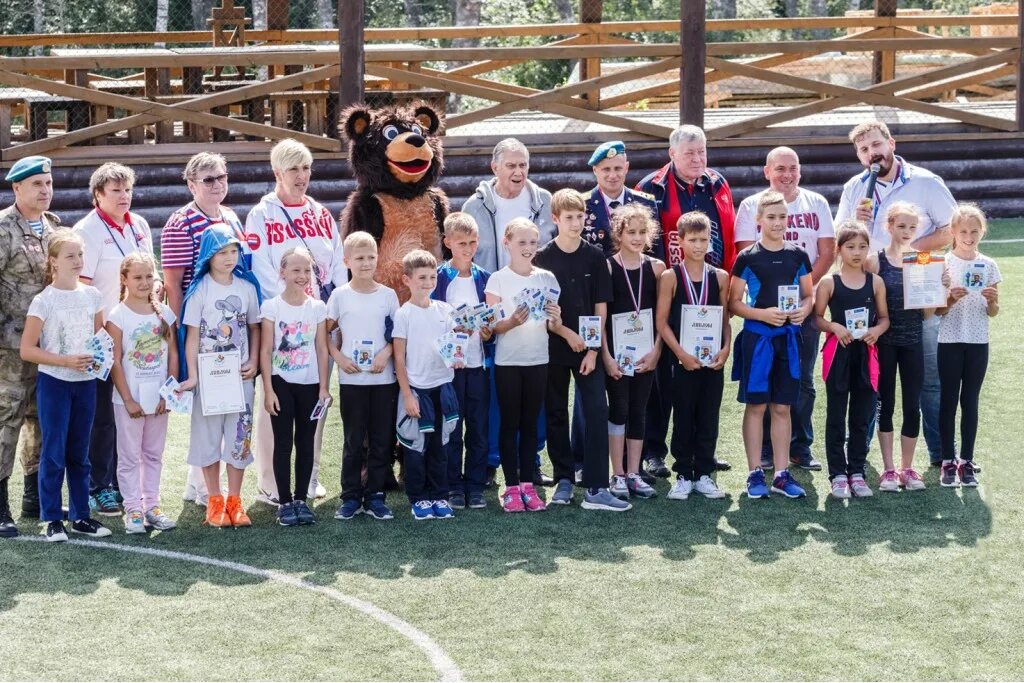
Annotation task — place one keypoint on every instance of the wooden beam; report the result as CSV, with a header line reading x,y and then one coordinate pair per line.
x,y
591,12
884,63
351,19
1020,66
692,41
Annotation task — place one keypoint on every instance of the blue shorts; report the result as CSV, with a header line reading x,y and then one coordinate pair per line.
x,y
783,389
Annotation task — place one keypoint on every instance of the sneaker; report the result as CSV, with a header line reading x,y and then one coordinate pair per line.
x,y
948,474
722,465
531,500
476,501
617,486
375,507
134,523
785,484
286,515
656,466
682,489
805,462
541,479
192,495
156,519
638,487
216,513
89,527
317,490
349,509
457,499
422,509
756,486
647,476
8,529
911,480
859,487
267,499
236,513
104,502
889,482
707,487
604,500
304,513
512,499
578,476
442,510
55,532
841,487
562,494
966,473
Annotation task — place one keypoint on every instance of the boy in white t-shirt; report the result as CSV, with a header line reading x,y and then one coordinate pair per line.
x,y
460,282
429,409
363,311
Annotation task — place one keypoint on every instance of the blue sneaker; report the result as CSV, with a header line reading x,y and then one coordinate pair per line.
x,y
785,484
756,485
422,509
349,509
376,508
442,510
562,494
104,502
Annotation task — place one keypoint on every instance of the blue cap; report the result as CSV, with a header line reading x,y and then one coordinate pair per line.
x,y
29,166
607,150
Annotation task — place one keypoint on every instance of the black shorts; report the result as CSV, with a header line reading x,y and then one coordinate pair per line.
x,y
783,388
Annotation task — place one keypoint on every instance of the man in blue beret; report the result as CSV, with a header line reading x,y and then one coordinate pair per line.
x,y
25,227
610,168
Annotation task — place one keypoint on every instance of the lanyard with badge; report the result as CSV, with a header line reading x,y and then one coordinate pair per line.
x,y
325,288
700,332
128,225
635,329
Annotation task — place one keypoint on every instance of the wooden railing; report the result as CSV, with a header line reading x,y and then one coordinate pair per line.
x,y
175,102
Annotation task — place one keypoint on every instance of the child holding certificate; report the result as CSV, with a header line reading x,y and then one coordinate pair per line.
x,y
60,322
630,323
520,363
694,324
145,356
363,311
855,301
293,363
221,341
899,349
973,280
771,290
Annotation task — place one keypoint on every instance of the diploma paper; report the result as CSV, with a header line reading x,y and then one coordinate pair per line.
x,y
701,333
635,329
220,382
922,280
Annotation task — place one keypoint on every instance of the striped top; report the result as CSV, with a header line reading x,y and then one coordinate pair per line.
x,y
179,241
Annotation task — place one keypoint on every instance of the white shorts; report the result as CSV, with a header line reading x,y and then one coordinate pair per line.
x,y
226,438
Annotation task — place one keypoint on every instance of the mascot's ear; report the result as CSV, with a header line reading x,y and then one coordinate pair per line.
x,y
357,122
427,118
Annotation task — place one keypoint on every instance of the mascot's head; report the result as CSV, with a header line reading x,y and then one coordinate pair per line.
x,y
394,149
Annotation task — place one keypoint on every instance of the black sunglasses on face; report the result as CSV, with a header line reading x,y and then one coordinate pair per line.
x,y
210,180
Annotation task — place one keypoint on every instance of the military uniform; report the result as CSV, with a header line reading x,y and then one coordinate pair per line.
x,y
597,227
22,269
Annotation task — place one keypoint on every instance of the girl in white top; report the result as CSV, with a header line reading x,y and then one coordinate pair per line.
x,y
61,319
973,280
145,355
293,361
520,362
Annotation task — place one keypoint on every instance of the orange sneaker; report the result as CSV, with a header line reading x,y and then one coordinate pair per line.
x,y
216,516
236,512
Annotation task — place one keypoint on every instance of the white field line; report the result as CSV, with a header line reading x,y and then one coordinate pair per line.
x,y
442,663
1012,240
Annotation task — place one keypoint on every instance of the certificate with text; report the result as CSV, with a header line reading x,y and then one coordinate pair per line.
x,y
220,382
922,280
701,333
634,329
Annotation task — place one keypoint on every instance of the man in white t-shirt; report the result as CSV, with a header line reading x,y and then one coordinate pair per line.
x,y
902,181
809,227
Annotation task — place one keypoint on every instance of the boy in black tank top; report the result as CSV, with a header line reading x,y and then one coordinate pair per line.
x,y
698,379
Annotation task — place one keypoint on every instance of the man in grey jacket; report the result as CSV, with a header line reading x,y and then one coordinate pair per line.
x,y
509,194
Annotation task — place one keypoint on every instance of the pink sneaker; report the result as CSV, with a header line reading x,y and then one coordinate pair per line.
x,y
889,482
512,501
911,480
530,498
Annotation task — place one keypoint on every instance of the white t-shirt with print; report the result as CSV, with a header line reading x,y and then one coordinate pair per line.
x,y
526,344
294,356
462,290
966,321
143,350
361,317
105,248
808,219
420,328
69,319
223,313
504,211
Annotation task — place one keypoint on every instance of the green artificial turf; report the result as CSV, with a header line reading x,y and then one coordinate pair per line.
x,y
921,585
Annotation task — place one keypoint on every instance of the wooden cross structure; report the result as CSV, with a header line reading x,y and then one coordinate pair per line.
x,y
226,18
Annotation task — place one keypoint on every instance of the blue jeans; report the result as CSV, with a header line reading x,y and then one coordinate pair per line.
x,y
66,411
494,425
802,412
473,389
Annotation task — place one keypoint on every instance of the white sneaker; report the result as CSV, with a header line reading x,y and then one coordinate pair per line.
x,y
681,490
156,519
134,523
841,487
860,487
317,490
707,487
202,499
267,499
190,493
617,487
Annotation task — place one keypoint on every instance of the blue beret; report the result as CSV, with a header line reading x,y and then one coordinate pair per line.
x,y
29,166
607,150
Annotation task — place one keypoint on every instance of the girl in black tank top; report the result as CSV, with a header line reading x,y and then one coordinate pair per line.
x,y
855,301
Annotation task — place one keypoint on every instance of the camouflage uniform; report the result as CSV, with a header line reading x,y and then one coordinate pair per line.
x,y
22,266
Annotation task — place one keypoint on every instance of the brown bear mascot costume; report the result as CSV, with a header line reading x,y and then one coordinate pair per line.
x,y
396,158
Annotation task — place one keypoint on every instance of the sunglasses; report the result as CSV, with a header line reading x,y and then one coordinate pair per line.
x,y
209,181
